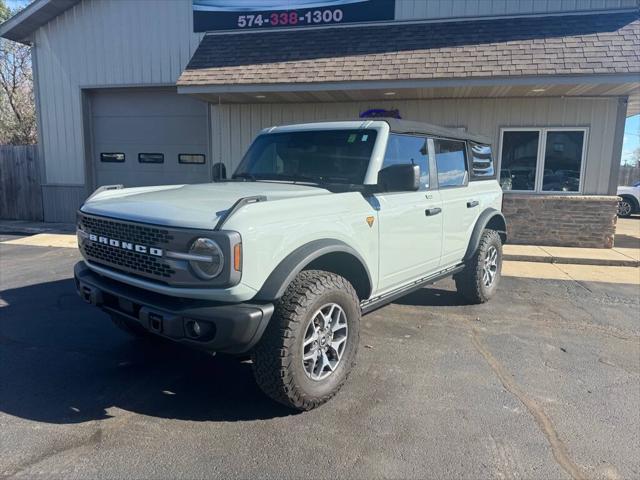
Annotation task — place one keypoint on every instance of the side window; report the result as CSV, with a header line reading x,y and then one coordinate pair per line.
x,y
451,162
481,161
403,149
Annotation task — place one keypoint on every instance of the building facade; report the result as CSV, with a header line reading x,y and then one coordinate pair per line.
x,y
128,92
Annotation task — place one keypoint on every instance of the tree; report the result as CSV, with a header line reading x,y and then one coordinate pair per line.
x,y
17,107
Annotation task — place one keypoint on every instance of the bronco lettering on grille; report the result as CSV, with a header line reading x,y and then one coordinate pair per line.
x,y
112,242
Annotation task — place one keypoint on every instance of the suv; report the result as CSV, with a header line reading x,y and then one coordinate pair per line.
x,y
629,200
319,224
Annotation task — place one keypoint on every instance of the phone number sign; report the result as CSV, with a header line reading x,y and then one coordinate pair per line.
x,y
216,15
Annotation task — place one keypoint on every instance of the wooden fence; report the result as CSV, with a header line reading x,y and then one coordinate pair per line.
x,y
20,192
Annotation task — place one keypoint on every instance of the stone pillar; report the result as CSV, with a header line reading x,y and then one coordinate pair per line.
x,y
561,220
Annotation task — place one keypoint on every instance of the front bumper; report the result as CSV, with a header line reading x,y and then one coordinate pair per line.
x,y
230,328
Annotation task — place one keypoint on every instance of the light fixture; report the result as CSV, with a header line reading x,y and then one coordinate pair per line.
x,y
389,94
261,96
538,90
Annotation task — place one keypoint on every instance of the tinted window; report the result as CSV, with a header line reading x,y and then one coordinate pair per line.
x,y
451,162
112,157
324,156
481,161
151,157
519,157
403,149
191,158
563,161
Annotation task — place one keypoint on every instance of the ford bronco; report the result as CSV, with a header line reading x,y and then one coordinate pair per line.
x,y
319,224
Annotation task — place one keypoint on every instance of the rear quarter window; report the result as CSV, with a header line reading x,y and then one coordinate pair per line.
x,y
482,166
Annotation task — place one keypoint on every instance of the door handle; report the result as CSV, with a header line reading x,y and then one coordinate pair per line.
x,y
472,203
430,212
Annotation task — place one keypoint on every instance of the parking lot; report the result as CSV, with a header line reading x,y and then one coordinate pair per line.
x,y
542,382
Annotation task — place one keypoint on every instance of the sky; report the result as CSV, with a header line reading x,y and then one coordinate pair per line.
x,y
631,137
631,131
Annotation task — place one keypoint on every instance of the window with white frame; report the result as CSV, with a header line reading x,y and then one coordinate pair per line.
x,y
542,159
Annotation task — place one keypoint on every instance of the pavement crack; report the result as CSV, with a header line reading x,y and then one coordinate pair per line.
x,y
543,421
94,439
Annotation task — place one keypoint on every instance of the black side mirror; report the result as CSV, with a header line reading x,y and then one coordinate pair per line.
x,y
219,171
399,178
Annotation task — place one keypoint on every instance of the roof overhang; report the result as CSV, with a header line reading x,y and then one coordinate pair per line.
x,y
21,26
619,85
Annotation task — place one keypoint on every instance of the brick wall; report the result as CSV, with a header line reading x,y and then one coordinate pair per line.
x,y
561,220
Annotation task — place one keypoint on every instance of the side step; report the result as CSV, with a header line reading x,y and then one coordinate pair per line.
x,y
372,304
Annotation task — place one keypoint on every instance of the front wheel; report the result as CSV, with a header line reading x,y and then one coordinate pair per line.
x,y
478,281
625,208
310,345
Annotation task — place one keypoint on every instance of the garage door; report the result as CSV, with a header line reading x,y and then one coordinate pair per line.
x,y
148,137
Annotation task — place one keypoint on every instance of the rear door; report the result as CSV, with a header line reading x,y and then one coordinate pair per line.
x,y
410,222
460,208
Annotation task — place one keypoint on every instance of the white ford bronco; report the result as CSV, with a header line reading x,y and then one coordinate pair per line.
x,y
319,224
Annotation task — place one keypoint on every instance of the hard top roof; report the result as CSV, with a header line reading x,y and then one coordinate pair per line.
x,y
395,125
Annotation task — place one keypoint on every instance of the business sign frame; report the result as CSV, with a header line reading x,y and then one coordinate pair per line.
x,y
234,15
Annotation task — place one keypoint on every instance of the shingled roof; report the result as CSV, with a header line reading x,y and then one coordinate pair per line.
x,y
514,47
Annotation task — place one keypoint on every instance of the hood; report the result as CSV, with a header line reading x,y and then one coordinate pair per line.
x,y
188,206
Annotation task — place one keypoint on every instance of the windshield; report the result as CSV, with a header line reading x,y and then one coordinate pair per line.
x,y
316,156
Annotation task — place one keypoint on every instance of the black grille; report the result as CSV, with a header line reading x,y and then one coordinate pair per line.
x,y
131,261
126,260
130,232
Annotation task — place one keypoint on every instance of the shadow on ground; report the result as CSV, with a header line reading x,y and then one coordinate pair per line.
x,y
64,362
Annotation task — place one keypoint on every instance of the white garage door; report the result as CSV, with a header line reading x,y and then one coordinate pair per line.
x,y
148,137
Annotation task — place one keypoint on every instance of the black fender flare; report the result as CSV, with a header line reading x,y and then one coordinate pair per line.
x,y
278,281
483,220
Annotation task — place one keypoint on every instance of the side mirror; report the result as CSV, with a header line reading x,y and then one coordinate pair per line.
x,y
399,178
219,171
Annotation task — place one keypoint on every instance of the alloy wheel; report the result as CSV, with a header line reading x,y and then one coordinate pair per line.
x,y
325,341
490,267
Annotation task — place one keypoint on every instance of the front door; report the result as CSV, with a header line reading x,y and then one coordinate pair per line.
x,y
410,226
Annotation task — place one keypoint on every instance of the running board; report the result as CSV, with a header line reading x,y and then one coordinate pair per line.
x,y
375,303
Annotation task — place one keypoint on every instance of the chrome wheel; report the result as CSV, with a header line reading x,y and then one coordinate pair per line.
x,y
490,267
624,208
324,342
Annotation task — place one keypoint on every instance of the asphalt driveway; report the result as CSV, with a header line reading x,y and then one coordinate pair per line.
x,y
542,382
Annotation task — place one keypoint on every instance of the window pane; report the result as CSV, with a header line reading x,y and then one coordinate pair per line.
x,y
450,159
519,157
481,161
563,161
151,157
403,149
112,157
191,158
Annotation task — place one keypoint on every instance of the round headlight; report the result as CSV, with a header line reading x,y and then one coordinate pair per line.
x,y
212,260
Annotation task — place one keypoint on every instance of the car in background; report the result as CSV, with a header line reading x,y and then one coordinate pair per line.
x,y
629,200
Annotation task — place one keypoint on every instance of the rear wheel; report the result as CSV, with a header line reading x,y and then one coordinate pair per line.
x,y
478,281
310,345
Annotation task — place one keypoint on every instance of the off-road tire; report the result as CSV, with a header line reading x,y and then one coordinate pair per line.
x,y
129,327
277,359
469,282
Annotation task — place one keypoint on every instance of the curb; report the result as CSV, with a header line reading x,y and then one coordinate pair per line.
x,y
572,260
20,230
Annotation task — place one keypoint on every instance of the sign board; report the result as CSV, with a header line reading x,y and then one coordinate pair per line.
x,y
216,15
